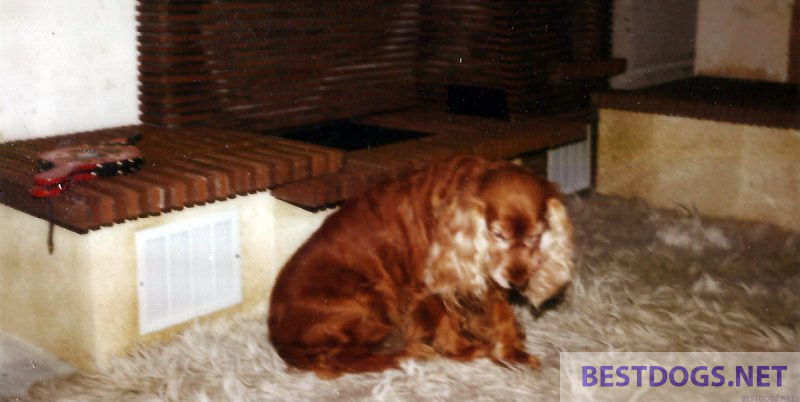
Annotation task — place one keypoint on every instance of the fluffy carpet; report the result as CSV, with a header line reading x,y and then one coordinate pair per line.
x,y
648,280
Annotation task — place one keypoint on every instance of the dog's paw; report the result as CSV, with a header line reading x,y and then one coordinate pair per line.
x,y
512,356
421,351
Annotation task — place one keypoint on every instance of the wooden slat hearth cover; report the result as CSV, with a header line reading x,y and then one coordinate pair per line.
x,y
451,134
183,167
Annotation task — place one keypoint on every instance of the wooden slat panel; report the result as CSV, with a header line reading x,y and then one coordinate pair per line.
x,y
512,46
263,65
183,167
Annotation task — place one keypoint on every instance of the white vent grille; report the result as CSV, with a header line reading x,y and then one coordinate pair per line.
x,y
571,166
188,269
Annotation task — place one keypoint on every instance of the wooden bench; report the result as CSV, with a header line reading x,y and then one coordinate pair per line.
x,y
193,166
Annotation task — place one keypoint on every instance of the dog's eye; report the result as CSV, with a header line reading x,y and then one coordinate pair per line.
x,y
499,234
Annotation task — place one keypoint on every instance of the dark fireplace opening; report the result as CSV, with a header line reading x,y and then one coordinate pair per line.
x,y
477,101
347,135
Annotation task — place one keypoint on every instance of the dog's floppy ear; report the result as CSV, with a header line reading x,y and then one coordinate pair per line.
x,y
459,249
557,249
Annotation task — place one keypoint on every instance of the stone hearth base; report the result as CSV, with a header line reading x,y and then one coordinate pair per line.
x,y
721,169
80,303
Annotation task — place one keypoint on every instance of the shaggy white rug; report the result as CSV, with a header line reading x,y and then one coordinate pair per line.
x,y
648,280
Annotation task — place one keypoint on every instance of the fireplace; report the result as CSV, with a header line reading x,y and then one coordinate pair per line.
x,y
263,111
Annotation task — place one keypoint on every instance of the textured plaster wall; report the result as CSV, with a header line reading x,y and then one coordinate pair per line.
x,y
656,37
66,66
46,299
81,302
722,169
746,39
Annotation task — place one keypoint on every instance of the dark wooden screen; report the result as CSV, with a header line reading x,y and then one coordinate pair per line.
x,y
504,45
258,65
547,55
794,44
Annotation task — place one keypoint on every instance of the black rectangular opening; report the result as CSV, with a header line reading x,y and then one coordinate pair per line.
x,y
347,135
477,101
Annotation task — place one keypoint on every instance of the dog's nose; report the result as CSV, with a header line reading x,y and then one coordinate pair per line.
x,y
518,276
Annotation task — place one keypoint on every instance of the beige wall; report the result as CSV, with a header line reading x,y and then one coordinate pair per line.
x,y
45,299
80,303
67,66
722,169
746,39
656,37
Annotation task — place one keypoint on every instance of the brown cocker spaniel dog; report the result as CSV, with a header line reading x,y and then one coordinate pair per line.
x,y
423,265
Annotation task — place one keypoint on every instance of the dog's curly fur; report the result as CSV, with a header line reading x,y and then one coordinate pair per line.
x,y
423,265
